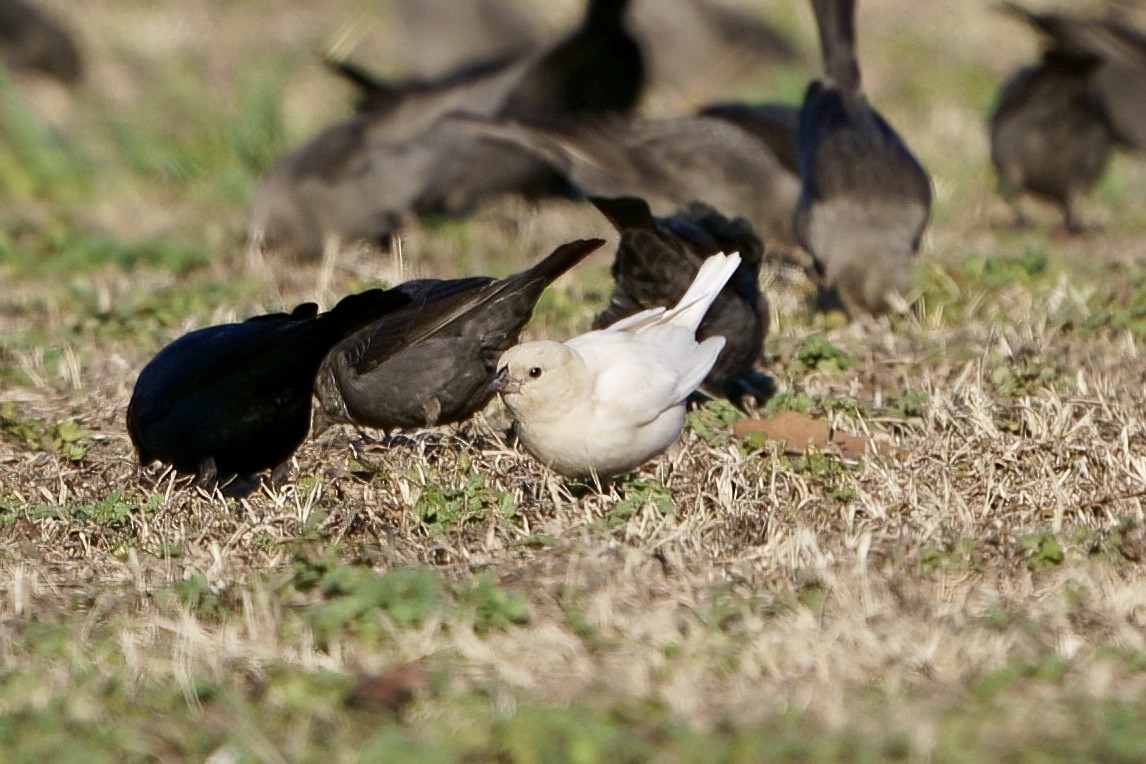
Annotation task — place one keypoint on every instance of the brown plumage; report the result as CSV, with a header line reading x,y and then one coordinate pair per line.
x,y
432,363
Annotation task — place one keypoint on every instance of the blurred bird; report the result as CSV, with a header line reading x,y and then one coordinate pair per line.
x,y
777,125
366,177
668,162
658,258
432,363
1049,133
30,40
1056,122
605,402
1119,78
865,199
235,399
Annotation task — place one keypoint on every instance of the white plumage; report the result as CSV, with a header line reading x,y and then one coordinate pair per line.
x,y
606,401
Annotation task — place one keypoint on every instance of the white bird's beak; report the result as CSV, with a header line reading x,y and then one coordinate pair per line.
x,y
503,383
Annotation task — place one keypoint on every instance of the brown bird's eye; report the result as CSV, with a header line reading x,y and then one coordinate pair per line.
x,y
535,372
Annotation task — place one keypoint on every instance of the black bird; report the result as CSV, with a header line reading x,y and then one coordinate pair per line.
x,y
433,363
402,157
865,199
1049,133
235,399
668,162
598,68
31,40
657,259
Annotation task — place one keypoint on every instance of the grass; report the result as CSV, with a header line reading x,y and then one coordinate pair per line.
x,y
436,596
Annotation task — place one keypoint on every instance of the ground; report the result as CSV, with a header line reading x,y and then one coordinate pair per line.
x,y
969,588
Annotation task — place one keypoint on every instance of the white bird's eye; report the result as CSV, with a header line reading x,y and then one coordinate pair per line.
x,y
535,372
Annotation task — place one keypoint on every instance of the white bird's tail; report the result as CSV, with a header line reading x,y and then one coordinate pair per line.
x,y
714,273
692,307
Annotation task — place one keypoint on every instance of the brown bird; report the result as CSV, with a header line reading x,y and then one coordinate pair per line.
x,y
658,258
865,199
433,362
1049,134
1056,122
1120,76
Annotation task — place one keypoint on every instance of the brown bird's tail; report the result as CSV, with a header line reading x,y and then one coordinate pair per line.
x,y
544,273
835,20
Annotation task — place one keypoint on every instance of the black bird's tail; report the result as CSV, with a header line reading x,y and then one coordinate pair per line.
x,y
625,212
836,21
375,96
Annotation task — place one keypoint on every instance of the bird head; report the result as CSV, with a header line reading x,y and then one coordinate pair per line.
x,y
536,376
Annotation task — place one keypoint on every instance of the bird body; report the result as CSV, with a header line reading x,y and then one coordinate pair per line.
x,y
234,399
607,401
1056,122
1050,135
432,363
865,199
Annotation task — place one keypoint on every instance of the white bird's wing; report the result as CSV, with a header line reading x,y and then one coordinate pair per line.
x,y
635,380
636,321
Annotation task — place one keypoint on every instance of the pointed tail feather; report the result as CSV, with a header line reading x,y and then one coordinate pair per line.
x,y
714,273
558,262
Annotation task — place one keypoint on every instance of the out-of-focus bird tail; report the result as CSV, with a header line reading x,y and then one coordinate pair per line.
x,y
625,212
835,20
714,273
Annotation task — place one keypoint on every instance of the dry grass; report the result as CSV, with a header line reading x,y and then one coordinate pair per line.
x,y
979,593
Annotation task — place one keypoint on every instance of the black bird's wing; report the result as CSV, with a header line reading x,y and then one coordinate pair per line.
x,y
437,305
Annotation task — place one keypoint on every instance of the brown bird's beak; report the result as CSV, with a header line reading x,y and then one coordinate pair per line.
x,y
503,383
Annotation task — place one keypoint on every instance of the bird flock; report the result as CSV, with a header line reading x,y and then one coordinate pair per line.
x,y
698,200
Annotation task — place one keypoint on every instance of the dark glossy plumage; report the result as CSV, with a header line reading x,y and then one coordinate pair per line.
x,y
865,199
29,39
658,258
235,399
432,363
365,177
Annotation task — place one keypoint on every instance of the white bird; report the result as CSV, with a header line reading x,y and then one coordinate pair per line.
x,y
604,402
